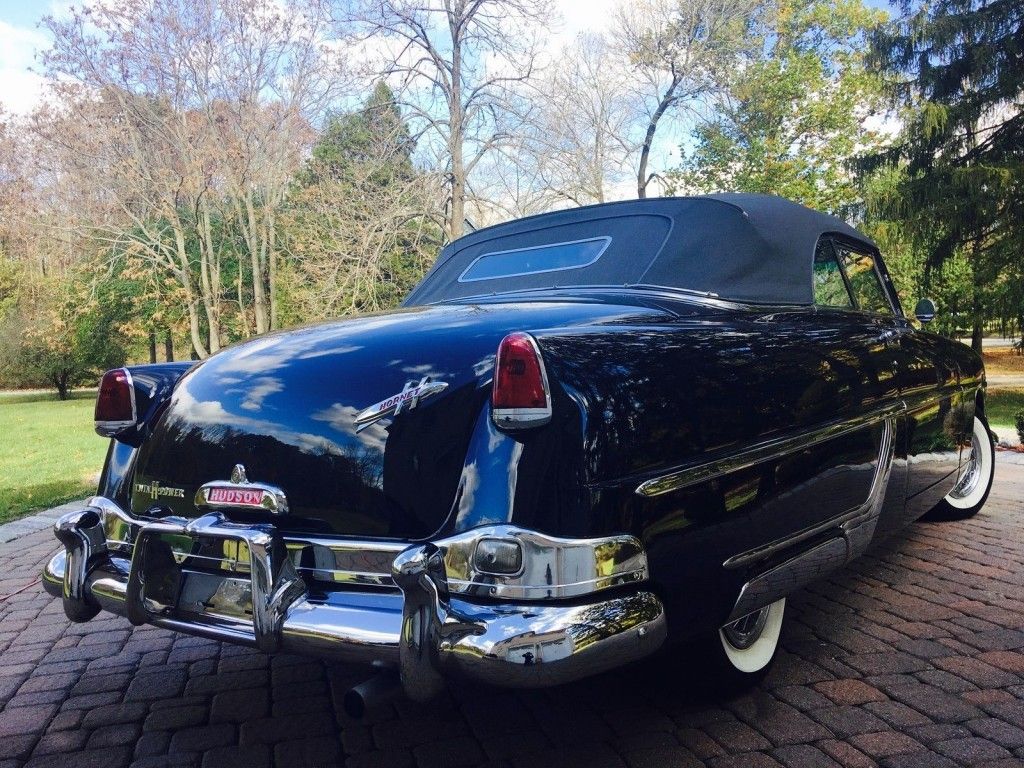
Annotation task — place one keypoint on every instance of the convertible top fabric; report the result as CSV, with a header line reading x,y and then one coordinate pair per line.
x,y
740,247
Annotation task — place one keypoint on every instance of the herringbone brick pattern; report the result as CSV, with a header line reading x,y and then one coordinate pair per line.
x,y
913,656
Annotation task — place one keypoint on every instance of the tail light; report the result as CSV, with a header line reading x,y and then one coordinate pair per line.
x,y
521,397
115,404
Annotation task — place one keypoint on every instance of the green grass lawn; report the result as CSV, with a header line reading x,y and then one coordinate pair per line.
x,y
1000,407
49,452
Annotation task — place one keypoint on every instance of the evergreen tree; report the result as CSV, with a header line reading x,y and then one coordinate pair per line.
x,y
363,221
374,135
957,69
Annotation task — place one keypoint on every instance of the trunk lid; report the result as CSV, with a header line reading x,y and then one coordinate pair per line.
x,y
285,407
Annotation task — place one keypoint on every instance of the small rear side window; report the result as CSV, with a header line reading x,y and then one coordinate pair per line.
x,y
542,258
829,286
864,281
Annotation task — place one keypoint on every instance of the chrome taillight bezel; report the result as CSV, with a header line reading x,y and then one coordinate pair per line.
x,y
523,418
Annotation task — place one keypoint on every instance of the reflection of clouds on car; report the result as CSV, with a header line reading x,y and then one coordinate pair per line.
x,y
210,415
343,419
259,391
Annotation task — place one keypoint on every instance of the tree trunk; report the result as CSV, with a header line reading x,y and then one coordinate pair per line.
x,y
272,268
169,346
456,127
977,315
209,279
152,346
645,151
185,277
60,380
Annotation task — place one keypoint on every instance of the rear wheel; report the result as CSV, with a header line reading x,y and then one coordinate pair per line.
x,y
972,489
747,646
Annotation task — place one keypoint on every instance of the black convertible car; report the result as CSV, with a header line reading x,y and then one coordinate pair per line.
x,y
584,435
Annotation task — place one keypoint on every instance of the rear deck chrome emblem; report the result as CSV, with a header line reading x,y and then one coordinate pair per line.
x,y
157,491
241,494
409,398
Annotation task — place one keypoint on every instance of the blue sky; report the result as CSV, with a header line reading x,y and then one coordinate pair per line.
x,y
21,39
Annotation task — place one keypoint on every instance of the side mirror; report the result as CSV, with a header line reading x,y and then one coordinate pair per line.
x,y
925,311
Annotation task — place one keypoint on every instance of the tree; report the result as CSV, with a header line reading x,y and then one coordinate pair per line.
x,y
181,124
362,223
680,49
957,69
792,122
580,138
64,336
458,66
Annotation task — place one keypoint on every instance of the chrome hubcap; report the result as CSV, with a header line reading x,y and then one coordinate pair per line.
x,y
744,632
972,473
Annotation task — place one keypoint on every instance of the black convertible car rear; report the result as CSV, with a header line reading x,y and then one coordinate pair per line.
x,y
585,434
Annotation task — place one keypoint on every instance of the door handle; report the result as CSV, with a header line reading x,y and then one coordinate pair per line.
x,y
889,337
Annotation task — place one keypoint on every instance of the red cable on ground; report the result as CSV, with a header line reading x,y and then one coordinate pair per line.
x,y
18,591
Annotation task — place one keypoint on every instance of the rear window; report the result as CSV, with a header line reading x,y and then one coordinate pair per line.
x,y
530,261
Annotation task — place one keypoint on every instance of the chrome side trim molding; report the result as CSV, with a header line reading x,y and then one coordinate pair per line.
x,y
853,532
788,576
761,452
851,518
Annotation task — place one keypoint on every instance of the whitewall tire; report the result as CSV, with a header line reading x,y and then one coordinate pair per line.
x,y
975,480
749,644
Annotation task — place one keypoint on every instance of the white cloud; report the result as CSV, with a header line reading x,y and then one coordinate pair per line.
x,y
584,15
20,89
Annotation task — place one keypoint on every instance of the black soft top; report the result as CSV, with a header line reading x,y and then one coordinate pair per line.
x,y
740,247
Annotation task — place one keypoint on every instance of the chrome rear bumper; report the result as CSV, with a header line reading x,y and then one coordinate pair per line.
x,y
415,623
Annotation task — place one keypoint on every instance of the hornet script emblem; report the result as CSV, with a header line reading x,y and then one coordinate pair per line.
x,y
409,398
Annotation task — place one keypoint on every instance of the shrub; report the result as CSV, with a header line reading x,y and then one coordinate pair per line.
x,y
1019,423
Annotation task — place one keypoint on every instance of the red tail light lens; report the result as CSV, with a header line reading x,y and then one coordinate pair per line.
x,y
115,404
520,397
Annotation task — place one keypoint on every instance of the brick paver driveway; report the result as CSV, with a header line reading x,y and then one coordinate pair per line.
x,y
913,656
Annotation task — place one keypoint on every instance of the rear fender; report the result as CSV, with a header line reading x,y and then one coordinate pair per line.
x,y
529,477
153,387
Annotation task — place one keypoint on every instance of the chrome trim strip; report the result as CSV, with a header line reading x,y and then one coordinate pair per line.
x,y
850,517
765,451
779,581
855,530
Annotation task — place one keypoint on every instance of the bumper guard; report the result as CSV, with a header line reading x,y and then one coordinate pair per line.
x,y
418,624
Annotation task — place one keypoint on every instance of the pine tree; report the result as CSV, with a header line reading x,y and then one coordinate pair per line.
x,y
957,69
374,134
